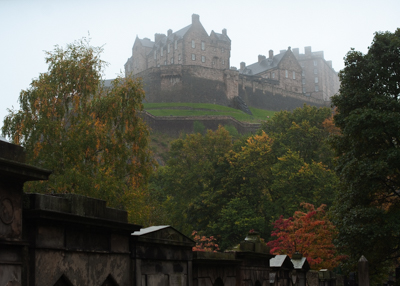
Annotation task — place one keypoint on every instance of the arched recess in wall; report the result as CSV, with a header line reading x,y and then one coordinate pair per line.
x,y
63,281
110,281
218,282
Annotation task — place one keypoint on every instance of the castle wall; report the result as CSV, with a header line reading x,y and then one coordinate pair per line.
x,y
266,94
175,125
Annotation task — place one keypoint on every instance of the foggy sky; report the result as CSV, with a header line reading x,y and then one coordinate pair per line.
x,y
28,28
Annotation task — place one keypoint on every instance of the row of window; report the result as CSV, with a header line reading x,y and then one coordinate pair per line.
x,y
316,89
287,74
203,46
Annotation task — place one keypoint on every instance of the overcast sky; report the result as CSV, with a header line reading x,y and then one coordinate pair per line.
x,y
28,28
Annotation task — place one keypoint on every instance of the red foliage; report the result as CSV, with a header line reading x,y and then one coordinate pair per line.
x,y
203,243
310,233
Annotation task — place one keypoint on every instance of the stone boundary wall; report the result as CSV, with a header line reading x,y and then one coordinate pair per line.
x,y
174,125
197,84
266,94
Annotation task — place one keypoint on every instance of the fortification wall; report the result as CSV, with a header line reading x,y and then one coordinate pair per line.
x,y
178,83
266,94
174,125
197,84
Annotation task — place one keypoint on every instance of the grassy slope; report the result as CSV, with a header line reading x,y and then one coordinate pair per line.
x,y
200,109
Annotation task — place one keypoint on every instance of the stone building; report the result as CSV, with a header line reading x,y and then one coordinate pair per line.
x,y
190,45
319,79
191,66
308,73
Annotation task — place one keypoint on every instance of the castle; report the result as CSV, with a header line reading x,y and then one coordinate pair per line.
x,y
191,66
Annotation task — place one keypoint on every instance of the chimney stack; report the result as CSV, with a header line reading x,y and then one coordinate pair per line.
x,y
242,66
260,58
296,52
307,50
224,32
158,37
195,19
169,32
271,54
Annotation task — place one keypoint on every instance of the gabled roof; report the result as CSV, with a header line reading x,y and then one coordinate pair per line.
x,y
144,231
220,37
163,234
301,264
264,65
281,261
182,31
146,42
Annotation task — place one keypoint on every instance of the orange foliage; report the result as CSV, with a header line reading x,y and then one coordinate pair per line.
x,y
310,233
203,243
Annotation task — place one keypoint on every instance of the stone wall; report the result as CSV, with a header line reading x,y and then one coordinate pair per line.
x,y
175,125
199,84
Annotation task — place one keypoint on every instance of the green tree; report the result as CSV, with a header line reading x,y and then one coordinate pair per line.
x,y
368,204
90,137
295,182
301,130
191,169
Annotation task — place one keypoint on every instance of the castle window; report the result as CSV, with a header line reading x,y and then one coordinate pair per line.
x,y
315,71
179,57
193,57
176,44
315,63
303,73
172,60
162,51
286,74
316,80
316,88
303,81
203,59
193,44
203,45
304,90
294,75
165,63
155,55
168,48
273,75
223,62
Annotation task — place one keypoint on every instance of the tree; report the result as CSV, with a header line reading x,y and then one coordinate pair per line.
x,y
191,169
368,115
301,130
310,233
295,181
89,136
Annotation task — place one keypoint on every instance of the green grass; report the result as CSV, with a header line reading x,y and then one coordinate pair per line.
x,y
203,109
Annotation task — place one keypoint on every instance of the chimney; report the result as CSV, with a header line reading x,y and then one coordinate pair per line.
x,y
271,54
169,32
260,58
158,37
307,50
296,52
242,66
195,18
224,32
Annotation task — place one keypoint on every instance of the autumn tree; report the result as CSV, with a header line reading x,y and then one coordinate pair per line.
x,y
91,137
368,114
311,233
